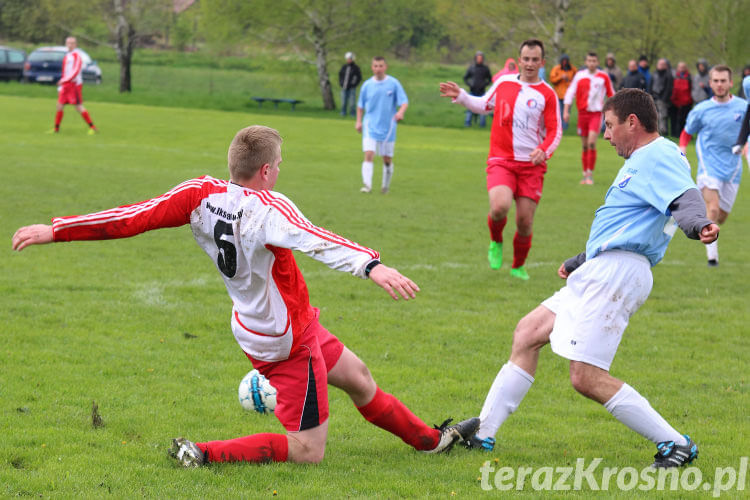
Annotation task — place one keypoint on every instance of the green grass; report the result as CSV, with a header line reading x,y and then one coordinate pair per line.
x,y
106,321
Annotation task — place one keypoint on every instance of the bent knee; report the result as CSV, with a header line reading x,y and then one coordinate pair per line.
x,y
306,453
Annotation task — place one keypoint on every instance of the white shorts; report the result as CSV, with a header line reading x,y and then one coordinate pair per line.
x,y
381,148
593,309
727,190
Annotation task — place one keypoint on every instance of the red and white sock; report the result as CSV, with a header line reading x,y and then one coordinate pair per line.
x,y
258,448
592,161
521,247
496,228
388,413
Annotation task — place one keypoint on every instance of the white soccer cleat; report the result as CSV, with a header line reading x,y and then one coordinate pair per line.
x,y
186,453
364,189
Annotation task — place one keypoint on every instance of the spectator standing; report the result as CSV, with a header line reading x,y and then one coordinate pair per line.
x,y
661,90
701,82
509,68
643,67
614,71
681,99
349,77
560,77
634,79
478,76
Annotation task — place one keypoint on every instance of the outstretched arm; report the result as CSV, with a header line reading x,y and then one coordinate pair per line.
x,y
744,132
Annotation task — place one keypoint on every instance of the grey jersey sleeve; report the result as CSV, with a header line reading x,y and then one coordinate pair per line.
x,y
574,262
689,210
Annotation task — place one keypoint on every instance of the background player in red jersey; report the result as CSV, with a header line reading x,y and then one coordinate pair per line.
x,y
70,85
588,87
525,132
249,233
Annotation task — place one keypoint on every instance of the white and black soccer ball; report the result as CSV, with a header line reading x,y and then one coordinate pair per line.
x,y
256,393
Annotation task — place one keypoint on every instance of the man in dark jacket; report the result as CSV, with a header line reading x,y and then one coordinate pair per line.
x,y
634,79
349,77
477,77
661,90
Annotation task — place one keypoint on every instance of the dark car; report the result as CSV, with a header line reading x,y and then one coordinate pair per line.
x,y
11,63
44,65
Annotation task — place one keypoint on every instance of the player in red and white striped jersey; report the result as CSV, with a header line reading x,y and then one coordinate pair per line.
x,y
70,85
589,87
526,130
249,232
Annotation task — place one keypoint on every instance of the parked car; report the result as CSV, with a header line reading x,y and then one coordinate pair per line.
x,y
44,65
11,63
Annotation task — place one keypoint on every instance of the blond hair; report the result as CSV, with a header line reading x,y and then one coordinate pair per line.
x,y
251,148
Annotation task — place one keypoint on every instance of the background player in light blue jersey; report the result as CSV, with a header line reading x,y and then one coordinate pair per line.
x,y
383,102
584,321
745,129
717,121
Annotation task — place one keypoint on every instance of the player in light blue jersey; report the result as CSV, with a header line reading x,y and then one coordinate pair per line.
x,y
584,321
383,102
717,121
745,129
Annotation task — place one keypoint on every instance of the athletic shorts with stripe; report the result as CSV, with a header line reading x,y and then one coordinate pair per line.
x,y
589,121
70,93
302,379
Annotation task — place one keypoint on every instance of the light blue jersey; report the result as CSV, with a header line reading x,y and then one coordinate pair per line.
x,y
717,125
635,215
746,86
381,100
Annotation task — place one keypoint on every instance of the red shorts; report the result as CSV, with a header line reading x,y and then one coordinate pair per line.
x,y
523,178
69,93
589,122
302,379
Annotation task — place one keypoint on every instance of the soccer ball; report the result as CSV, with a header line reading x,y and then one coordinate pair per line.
x,y
257,393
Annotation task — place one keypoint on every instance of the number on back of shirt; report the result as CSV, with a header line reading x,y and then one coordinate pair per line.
x,y
227,258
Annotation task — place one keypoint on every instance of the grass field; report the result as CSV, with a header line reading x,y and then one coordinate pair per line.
x,y
141,326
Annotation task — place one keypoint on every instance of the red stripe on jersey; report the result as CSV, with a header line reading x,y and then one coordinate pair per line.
x,y
75,68
291,285
293,216
286,328
171,209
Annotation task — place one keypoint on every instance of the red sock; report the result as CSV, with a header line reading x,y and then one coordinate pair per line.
x,y
390,414
585,159
58,119
521,247
592,159
86,117
496,228
258,448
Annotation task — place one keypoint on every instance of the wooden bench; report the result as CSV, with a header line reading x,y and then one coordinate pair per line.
x,y
276,101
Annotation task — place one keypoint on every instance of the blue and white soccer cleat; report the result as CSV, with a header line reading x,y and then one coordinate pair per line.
x,y
474,443
670,454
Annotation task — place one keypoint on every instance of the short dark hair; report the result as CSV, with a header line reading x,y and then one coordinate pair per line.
x,y
636,102
378,58
532,42
592,54
722,68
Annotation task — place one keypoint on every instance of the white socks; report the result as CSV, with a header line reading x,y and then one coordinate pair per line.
x,y
387,174
712,250
635,412
367,174
507,391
